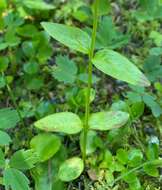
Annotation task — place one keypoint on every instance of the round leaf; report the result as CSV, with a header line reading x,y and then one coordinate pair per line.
x,y
71,37
119,67
65,122
46,145
71,169
107,120
4,138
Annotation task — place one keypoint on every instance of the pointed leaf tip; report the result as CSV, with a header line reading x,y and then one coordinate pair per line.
x,y
70,36
116,65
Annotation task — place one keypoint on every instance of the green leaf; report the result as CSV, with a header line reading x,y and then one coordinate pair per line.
x,y
153,68
108,120
71,169
65,71
2,159
28,30
8,118
122,156
107,38
3,63
153,105
46,145
15,180
114,64
135,157
3,46
104,7
152,151
4,139
72,37
64,122
31,67
24,159
37,5
91,145
151,170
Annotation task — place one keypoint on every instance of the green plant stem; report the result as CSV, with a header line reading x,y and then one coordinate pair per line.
x,y
90,67
152,162
14,100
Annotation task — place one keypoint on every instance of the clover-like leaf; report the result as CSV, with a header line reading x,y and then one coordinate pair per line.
x,y
46,145
71,169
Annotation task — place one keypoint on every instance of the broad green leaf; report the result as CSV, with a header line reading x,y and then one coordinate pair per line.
x,y
8,118
37,5
64,122
72,37
119,67
107,120
15,180
46,145
65,71
71,169
24,159
91,145
4,138
2,159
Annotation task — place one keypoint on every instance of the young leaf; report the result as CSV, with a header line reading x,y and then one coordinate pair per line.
x,y
119,67
8,118
72,37
122,156
4,139
135,157
15,180
64,122
71,169
37,5
24,159
65,71
46,145
108,120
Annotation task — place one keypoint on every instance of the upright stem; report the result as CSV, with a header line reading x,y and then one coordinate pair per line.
x,y
90,67
14,100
